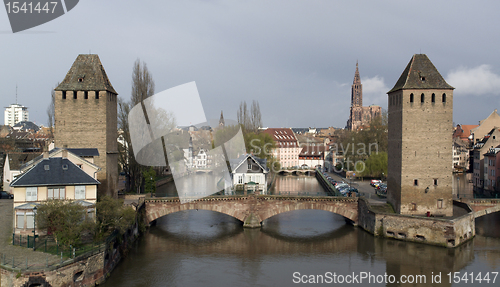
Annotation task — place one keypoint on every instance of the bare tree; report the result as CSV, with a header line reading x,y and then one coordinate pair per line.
x,y
143,87
51,111
250,120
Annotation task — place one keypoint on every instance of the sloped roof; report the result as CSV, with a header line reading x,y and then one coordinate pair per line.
x,y
420,73
16,160
284,137
27,125
261,162
86,74
54,171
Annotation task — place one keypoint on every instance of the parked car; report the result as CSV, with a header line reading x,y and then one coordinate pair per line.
x,y
381,186
6,195
374,182
350,190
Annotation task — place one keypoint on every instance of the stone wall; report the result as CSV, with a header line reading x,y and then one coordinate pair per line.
x,y
428,230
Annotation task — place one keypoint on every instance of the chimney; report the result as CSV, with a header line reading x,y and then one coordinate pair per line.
x,y
65,152
45,152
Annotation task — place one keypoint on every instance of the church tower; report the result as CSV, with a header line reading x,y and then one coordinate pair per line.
x,y
221,121
357,115
419,176
356,90
86,117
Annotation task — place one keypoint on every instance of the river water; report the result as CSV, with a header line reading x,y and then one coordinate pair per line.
x,y
205,248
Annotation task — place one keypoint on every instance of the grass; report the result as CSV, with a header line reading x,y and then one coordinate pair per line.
x,y
384,208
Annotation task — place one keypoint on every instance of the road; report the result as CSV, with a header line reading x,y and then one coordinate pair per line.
x,y
362,186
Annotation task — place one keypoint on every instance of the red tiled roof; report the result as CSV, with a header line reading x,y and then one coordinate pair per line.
x,y
284,137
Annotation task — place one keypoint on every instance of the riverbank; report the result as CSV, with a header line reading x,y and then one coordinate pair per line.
x,y
21,266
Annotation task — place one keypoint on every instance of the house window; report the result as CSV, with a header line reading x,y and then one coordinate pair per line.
x,y
411,98
444,98
20,220
32,193
30,220
80,192
56,192
249,166
415,182
240,179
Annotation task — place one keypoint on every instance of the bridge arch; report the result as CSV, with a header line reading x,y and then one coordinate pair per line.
x,y
254,209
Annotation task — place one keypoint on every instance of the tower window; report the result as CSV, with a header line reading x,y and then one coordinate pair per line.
x,y
74,94
435,181
80,80
422,98
86,95
96,95
439,203
444,98
415,182
422,79
411,98
64,95
433,98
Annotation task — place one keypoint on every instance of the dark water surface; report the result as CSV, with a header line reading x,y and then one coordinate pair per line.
x,y
205,248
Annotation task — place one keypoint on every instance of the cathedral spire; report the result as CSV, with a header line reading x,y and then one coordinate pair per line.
x,y
221,121
356,90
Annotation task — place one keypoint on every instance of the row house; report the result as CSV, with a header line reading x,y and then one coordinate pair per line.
x,y
491,170
312,155
491,140
287,146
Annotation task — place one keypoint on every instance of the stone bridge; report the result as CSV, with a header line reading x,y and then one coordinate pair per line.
x,y
483,206
253,209
297,171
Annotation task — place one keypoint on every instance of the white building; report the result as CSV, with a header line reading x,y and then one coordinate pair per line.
x,y
287,146
15,113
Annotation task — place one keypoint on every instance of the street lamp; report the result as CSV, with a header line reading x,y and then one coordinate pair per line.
x,y
34,227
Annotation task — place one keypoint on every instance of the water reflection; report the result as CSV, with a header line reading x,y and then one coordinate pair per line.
x,y
193,248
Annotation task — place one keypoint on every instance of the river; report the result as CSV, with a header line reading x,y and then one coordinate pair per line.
x,y
205,248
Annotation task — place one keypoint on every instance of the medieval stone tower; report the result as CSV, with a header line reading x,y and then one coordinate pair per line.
x,y
86,117
420,141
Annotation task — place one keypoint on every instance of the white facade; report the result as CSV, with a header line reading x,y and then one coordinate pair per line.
x,y
15,113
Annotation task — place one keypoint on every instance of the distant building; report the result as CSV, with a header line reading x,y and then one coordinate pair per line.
x,y
359,116
419,141
287,146
15,113
480,165
492,170
485,126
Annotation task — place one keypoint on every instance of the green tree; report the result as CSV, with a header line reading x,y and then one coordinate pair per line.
x,y
150,180
375,165
64,220
112,215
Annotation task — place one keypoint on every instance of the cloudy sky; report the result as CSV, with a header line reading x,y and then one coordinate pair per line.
x,y
296,58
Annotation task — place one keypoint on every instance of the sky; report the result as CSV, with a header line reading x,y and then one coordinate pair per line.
x,y
297,58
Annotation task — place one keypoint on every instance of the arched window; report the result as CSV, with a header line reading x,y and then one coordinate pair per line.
x,y
411,98
444,98
433,98
422,98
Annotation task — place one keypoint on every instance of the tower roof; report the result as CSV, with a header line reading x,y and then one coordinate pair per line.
x,y
357,79
86,74
420,73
